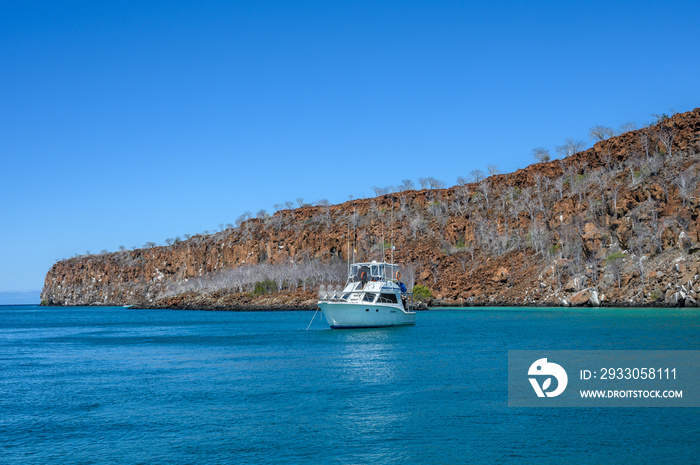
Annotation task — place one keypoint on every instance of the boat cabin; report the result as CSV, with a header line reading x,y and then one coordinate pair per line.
x,y
373,292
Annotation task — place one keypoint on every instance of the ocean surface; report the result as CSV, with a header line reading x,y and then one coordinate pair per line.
x,y
116,385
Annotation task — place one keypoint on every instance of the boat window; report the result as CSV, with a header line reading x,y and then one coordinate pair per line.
x,y
375,270
381,271
345,296
363,274
388,298
369,297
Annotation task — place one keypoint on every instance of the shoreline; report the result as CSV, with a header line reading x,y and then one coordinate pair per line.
x,y
314,307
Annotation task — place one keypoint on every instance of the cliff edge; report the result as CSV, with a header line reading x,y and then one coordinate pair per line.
x,y
614,225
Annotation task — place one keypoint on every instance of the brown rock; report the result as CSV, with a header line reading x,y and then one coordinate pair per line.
x,y
501,275
585,297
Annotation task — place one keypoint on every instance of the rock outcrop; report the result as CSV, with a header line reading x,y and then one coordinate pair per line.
x,y
615,225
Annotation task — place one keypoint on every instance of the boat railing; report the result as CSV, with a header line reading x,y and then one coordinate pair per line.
x,y
330,295
407,299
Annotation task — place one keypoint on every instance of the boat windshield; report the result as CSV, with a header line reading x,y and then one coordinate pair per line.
x,y
372,271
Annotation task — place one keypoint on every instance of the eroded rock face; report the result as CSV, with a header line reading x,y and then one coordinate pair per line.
x,y
533,237
586,297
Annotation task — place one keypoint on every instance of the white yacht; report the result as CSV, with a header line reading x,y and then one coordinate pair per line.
x,y
374,297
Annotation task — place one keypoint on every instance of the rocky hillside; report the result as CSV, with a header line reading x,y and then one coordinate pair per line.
x,y
613,225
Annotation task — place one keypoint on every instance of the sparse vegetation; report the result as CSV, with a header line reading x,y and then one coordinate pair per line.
x,y
267,286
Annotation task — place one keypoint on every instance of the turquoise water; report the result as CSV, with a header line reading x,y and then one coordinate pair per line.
x,y
114,385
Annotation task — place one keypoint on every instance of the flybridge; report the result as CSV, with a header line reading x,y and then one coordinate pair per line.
x,y
373,271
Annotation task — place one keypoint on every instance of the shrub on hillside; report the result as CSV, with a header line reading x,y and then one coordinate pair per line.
x,y
267,286
421,292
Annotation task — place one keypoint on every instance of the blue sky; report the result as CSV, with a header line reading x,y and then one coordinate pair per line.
x,y
128,122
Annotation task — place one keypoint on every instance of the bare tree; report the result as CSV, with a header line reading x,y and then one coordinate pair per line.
x,y
667,135
540,184
559,185
569,148
379,191
485,190
493,169
627,127
435,183
539,238
645,142
417,224
463,259
657,227
613,262
460,202
639,264
579,184
686,185
476,175
407,185
600,133
528,203
462,181
639,243
541,155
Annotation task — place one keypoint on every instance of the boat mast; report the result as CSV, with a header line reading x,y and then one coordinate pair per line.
x,y
383,251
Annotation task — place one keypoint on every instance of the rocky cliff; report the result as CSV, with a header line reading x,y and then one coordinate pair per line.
x,y
616,224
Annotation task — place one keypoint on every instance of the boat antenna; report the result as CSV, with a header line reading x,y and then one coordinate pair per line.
x,y
391,228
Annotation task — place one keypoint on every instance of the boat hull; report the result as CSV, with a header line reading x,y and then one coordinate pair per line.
x,y
343,315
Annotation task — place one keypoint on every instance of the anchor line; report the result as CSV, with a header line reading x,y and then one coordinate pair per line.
x,y
312,319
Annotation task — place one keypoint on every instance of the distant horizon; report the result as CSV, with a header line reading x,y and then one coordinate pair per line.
x,y
32,297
